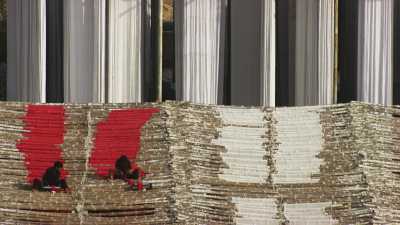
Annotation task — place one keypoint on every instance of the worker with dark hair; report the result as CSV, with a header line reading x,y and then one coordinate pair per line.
x,y
51,179
131,173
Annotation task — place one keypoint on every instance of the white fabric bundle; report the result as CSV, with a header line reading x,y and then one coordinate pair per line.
x,y
26,37
309,214
300,137
256,211
242,136
375,56
200,25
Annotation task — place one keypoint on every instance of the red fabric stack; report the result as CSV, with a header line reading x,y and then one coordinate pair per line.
x,y
44,126
118,135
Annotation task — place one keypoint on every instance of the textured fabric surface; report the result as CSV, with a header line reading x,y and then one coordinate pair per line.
x,y
207,164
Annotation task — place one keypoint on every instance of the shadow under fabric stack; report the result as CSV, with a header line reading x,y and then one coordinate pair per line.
x,y
208,164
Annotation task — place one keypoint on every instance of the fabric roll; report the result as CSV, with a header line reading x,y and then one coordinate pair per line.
x,y
375,56
199,43
26,36
125,51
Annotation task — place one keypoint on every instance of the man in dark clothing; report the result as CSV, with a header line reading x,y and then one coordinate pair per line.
x,y
124,171
51,179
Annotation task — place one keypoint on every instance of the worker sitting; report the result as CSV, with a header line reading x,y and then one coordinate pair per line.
x,y
130,173
51,180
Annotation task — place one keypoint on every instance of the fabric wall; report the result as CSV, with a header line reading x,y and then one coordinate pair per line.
x,y
207,164
125,51
375,56
26,48
200,26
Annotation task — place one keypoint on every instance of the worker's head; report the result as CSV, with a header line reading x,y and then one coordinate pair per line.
x,y
124,157
58,165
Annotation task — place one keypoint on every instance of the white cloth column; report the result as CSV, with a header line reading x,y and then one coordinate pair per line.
x,y
268,63
200,26
26,37
125,50
326,52
84,50
306,69
315,52
375,56
99,69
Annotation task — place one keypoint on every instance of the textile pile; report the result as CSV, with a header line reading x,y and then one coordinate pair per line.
x,y
207,164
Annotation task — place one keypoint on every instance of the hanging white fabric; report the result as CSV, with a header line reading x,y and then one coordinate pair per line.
x,y
306,69
314,73
199,30
268,62
326,52
125,51
99,66
26,58
375,57
84,51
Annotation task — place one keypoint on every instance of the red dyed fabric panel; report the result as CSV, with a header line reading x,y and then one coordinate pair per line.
x,y
118,135
44,126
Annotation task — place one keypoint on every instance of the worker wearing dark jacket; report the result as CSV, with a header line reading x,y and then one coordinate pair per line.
x,y
52,179
131,173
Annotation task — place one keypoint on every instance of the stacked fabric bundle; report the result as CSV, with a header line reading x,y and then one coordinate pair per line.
x,y
207,164
196,165
27,129
378,142
139,133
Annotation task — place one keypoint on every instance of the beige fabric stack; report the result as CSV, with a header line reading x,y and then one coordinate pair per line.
x,y
219,165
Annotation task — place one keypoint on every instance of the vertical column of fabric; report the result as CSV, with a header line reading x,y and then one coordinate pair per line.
x,y
306,75
99,68
125,51
78,51
26,24
199,38
326,52
375,40
268,63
